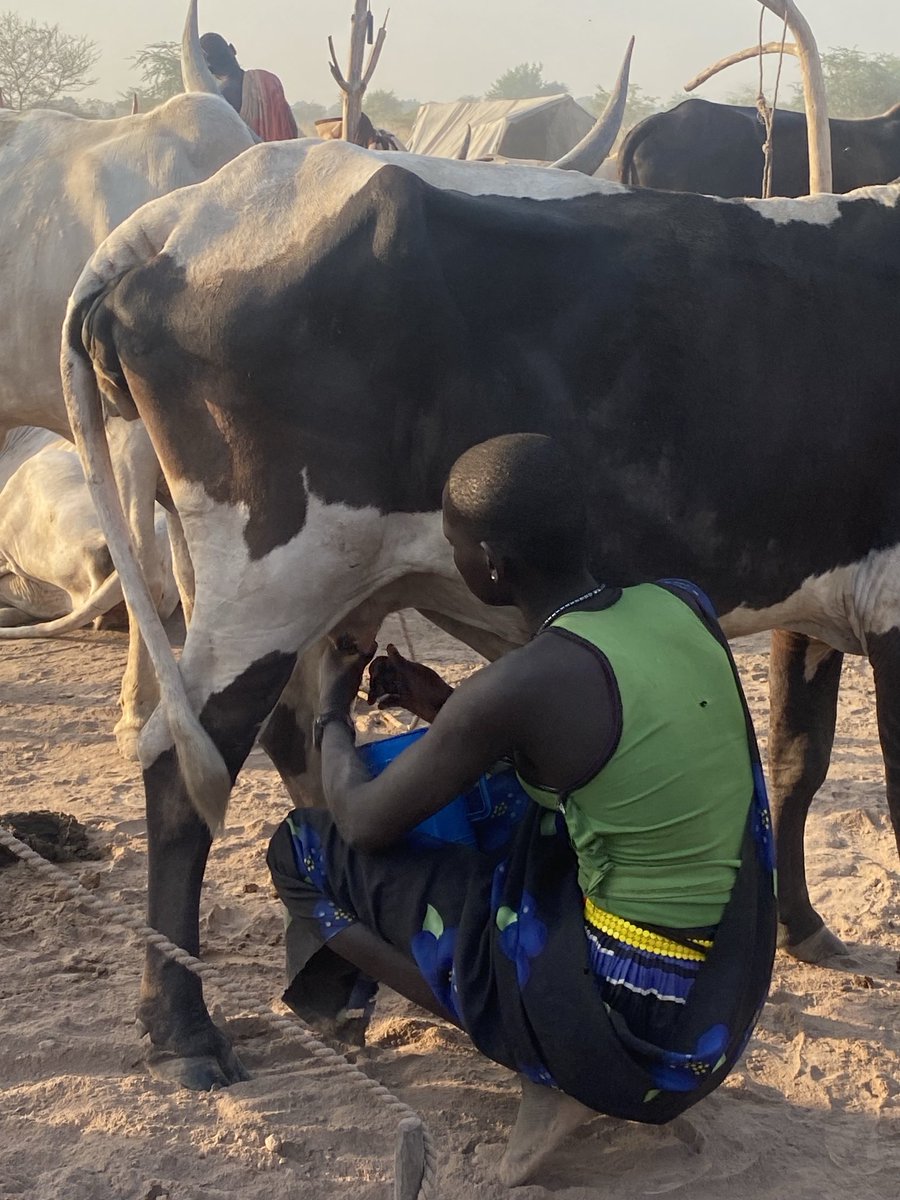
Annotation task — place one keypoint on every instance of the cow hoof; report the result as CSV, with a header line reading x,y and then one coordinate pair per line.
x,y
201,1074
116,619
127,737
817,949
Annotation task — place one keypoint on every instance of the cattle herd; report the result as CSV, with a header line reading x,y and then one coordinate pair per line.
x,y
271,355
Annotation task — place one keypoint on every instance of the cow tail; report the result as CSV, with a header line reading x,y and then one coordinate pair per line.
x,y
100,601
203,769
630,143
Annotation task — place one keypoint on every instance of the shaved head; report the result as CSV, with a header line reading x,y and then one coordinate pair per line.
x,y
219,54
521,495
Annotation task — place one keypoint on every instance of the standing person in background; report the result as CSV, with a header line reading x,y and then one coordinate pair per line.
x,y
257,95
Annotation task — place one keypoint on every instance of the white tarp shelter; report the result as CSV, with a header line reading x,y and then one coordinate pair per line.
x,y
545,128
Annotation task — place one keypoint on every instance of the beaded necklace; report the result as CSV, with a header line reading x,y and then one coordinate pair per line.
x,y
569,604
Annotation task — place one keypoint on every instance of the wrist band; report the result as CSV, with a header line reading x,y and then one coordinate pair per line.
x,y
325,719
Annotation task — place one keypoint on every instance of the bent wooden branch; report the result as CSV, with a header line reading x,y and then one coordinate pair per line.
x,y
739,57
358,76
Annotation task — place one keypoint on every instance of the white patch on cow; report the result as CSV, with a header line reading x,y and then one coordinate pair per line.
x,y
841,607
289,189
821,209
248,608
815,655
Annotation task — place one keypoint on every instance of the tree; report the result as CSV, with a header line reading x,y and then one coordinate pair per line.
x,y
745,97
387,111
306,113
93,108
857,84
639,105
522,82
159,65
38,63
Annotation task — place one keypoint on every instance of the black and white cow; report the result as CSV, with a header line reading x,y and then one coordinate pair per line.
x,y
311,339
717,149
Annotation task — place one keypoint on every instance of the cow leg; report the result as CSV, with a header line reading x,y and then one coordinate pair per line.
x,y
884,655
187,1046
138,695
13,618
483,641
182,567
286,736
804,675
237,660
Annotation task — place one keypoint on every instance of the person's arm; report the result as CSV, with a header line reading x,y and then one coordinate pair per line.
x,y
474,728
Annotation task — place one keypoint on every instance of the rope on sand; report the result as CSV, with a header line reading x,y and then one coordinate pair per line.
x,y
411,1183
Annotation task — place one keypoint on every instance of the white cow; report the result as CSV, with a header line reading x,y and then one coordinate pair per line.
x,y
54,563
65,183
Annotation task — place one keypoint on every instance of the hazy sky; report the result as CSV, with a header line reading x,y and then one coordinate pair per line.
x,y
441,49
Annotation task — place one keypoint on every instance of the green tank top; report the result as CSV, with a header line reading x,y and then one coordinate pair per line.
x,y
658,829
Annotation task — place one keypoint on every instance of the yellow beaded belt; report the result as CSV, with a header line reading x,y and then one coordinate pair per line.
x,y
642,939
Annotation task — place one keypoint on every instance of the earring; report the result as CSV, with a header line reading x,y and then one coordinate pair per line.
x,y
495,578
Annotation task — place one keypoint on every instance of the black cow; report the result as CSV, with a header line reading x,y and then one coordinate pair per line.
x,y
311,339
716,149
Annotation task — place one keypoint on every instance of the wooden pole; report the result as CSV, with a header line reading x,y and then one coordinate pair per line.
x,y
409,1161
359,75
817,128
354,93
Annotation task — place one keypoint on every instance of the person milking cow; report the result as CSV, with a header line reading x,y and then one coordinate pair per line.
x,y
608,931
257,95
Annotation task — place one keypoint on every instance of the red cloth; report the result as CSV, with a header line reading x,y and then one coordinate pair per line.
x,y
264,107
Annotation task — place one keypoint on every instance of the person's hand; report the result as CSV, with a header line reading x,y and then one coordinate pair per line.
x,y
341,670
395,682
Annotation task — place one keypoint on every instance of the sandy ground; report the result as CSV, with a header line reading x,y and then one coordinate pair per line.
x,y
811,1113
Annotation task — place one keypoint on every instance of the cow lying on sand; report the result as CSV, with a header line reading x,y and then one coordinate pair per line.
x,y
314,336
53,557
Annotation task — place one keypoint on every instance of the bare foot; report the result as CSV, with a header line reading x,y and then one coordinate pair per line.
x,y
546,1117
688,1134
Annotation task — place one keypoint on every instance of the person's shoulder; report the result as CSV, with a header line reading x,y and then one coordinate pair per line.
x,y
526,671
262,76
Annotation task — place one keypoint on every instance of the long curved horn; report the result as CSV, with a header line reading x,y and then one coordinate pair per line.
x,y
597,143
195,74
135,104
